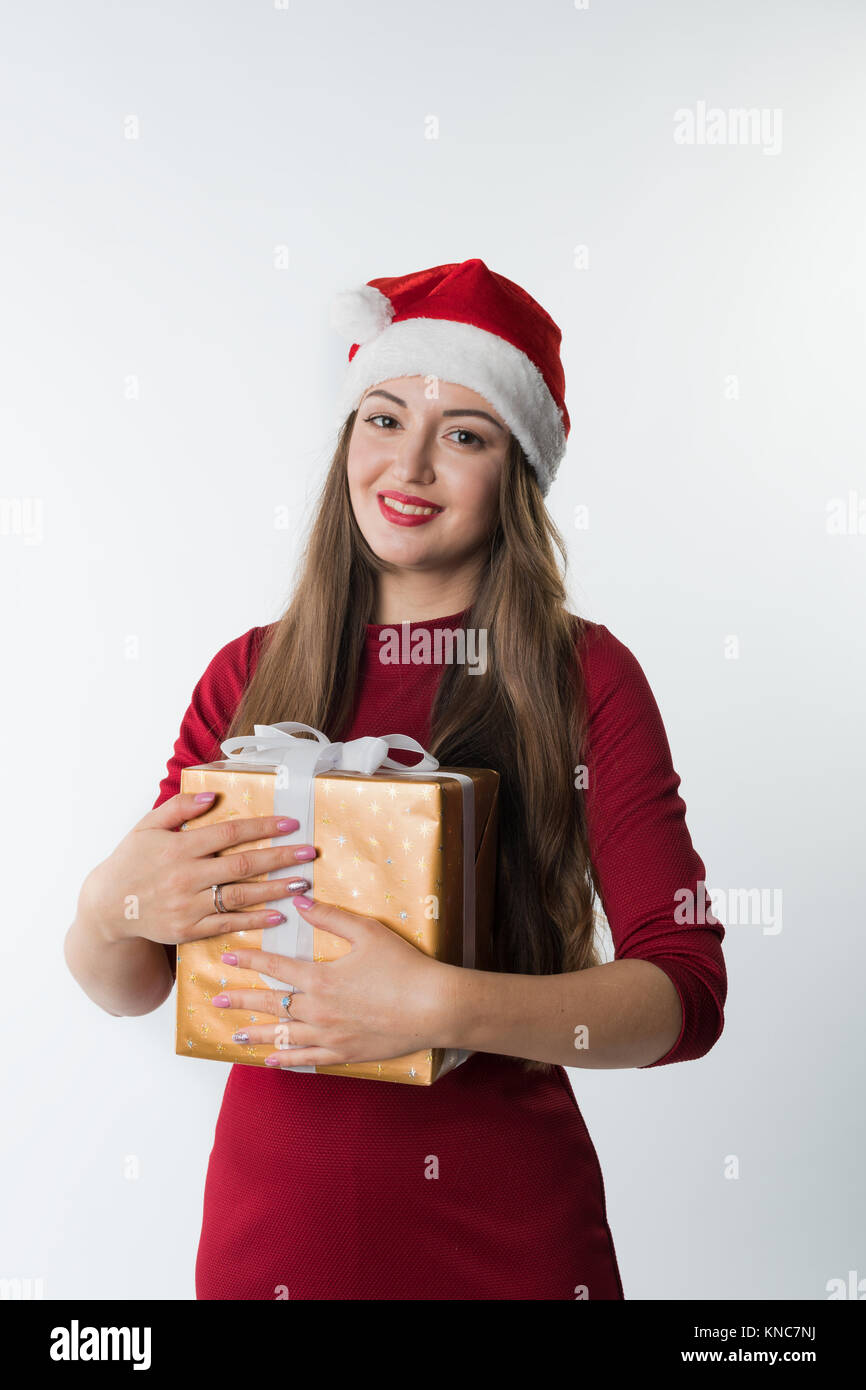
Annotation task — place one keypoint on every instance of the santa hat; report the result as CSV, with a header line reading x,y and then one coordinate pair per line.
x,y
465,324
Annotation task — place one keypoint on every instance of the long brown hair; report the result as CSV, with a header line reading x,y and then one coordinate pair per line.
x,y
525,715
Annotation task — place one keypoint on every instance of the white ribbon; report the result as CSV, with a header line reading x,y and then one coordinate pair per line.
x,y
298,762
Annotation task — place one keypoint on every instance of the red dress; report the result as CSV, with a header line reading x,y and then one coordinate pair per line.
x,y
321,1187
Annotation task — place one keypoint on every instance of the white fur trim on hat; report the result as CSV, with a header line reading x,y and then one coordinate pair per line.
x,y
360,314
472,357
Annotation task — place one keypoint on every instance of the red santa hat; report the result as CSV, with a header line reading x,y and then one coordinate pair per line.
x,y
465,324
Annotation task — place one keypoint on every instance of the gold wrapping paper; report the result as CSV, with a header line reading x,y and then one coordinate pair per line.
x,y
390,846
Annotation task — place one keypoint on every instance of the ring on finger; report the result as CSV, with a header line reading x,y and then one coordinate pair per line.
x,y
217,895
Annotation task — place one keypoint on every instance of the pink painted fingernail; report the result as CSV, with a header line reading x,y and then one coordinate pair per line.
x,y
275,917
221,1001
229,957
272,1061
301,901
204,796
308,852
287,824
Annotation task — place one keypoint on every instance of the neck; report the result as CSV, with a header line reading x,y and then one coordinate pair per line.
x,y
407,597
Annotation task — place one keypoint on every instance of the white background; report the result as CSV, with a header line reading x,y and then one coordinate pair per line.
x,y
154,259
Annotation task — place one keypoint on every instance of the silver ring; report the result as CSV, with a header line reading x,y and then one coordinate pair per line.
x,y
217,895
286,1002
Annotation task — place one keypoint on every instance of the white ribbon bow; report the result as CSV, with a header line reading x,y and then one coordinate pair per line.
x,y
276,743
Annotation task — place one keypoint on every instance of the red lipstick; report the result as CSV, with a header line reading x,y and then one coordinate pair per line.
x,y
399,518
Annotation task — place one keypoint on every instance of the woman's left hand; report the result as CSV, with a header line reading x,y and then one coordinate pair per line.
x,y
382,999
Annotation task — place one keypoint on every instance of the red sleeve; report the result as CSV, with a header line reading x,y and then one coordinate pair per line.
x,y
211,709
641,847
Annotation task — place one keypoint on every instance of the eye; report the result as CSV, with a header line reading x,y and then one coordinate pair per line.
x,y
371,418
477,438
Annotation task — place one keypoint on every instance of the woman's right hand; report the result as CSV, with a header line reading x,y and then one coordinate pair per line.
x,y
157,883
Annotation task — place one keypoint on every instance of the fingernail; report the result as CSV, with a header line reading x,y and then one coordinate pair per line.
x,y
229,957
272,1061
275,917
204,796
295,885
286,824
301,901
221,1001
240,1037
308,852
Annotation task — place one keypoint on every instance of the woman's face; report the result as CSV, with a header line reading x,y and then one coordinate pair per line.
x,y
446,453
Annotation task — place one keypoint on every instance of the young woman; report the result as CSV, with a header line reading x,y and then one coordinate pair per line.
x,y
485,1185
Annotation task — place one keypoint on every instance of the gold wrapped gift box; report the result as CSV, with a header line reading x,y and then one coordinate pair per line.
x,y
390,846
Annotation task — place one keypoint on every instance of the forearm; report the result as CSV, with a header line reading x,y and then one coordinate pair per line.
x,y
124,977
626,1013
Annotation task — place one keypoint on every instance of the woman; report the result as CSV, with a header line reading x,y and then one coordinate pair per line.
x,y
485,1184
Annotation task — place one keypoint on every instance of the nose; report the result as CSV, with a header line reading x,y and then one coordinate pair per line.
x,y
413,461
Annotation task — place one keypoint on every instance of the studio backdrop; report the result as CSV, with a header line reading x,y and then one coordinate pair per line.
x,y
185,188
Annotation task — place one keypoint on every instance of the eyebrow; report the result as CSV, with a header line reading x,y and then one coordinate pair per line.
x,y
397,401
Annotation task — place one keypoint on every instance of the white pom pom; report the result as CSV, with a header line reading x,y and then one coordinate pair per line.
x,y
359,315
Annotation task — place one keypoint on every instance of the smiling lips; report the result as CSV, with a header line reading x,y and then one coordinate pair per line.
x,y
404,510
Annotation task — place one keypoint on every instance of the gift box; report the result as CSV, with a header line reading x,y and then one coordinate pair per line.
x,y
414,847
